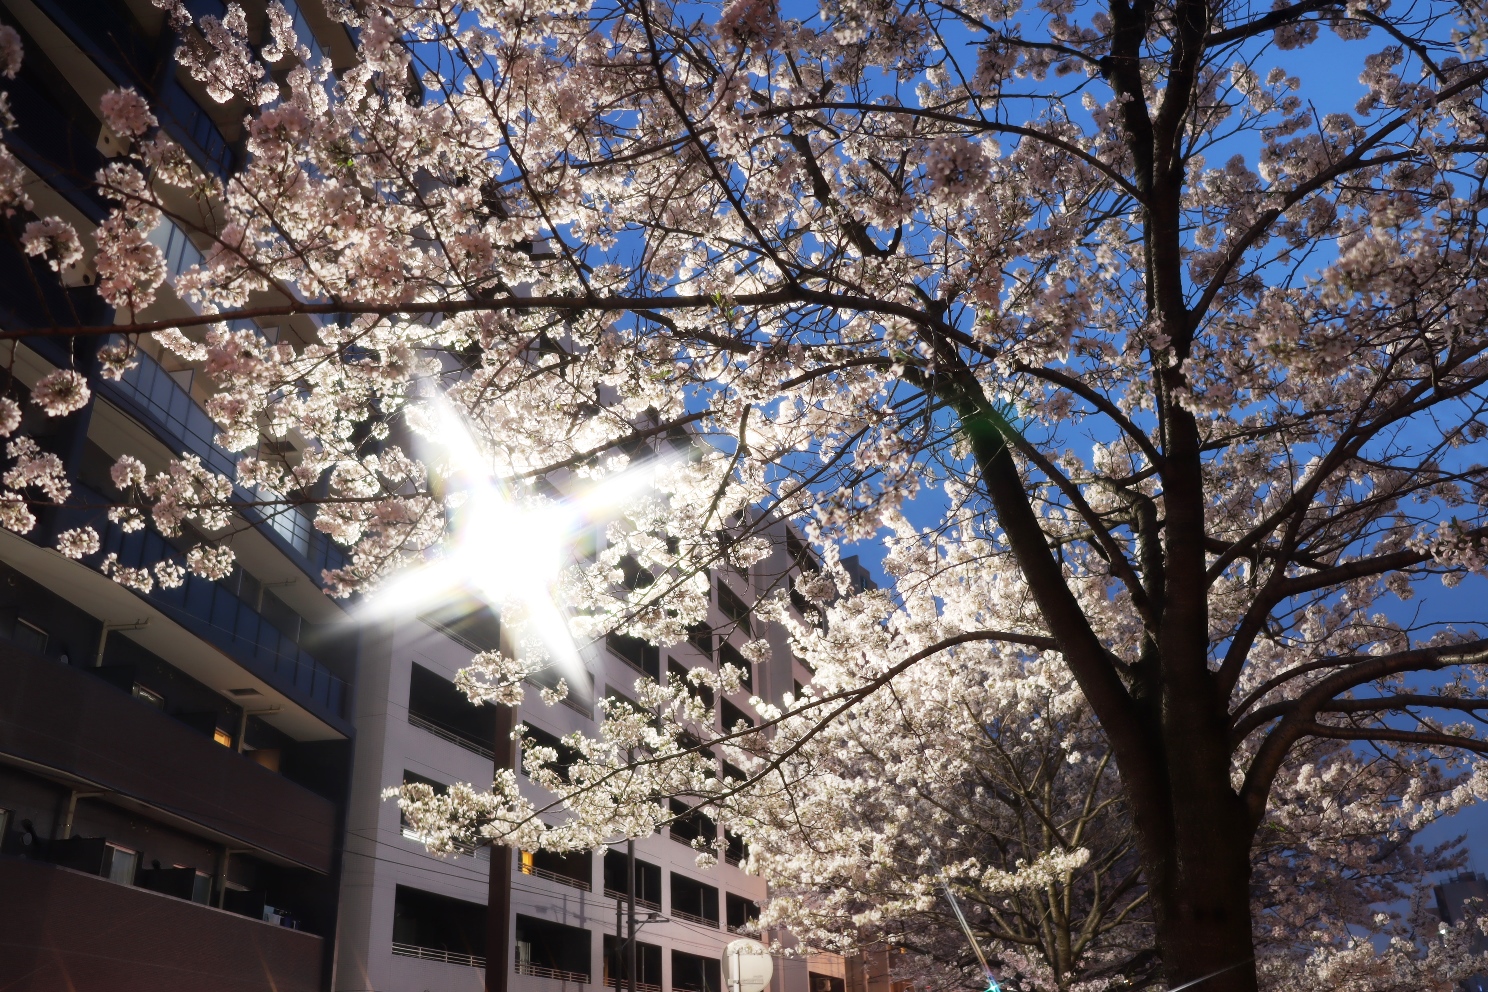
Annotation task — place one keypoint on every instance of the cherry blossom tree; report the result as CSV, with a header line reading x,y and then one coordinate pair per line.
x,y
1187,354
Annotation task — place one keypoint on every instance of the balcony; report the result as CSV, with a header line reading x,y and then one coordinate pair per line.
x,y
148,394
571,869
557,974
83,731
437,954
75,931
619,896
216,615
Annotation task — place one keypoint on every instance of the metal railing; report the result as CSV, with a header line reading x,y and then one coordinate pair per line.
x,y
620,896
737,860
553,876
538,971
682,914
437,954
482,853
454,738
639,986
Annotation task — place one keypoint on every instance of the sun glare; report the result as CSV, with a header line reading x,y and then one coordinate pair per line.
x,y
507,552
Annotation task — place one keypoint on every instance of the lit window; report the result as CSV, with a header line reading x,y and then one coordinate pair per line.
x,y
222,737
122,863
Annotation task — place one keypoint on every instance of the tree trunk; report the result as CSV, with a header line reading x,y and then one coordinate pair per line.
x,y
1201,905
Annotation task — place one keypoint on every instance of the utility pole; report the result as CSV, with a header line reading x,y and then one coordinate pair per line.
x,y
498,894
630,943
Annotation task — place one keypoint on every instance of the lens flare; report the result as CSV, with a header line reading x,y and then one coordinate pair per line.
x,y
505,552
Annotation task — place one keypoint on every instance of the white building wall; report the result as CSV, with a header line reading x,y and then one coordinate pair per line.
x,y
379,858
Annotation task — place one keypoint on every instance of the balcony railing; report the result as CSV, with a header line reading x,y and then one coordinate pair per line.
x,y
438,954
482,853
218,616
553,876
147,392
454,737
734,858
621,897
538,971
639,986
682,914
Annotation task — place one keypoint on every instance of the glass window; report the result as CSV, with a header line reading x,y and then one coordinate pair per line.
x,y
122,863
201,888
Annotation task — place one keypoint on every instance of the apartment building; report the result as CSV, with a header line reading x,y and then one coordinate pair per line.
x,y
190,778
173,763
413,921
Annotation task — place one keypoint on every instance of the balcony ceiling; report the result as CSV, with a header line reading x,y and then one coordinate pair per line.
x,y
112,603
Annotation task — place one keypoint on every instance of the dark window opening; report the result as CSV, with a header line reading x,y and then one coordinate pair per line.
x,y
731,606
799,552
691,823
647,876
413,778
574,868
648,964
691,973
552,950
729,655
740,912
438,707
694,901
679,671
536,737
468,623
733,716
434,922
640,654
700,636
818,982
635,577
733,772
734,851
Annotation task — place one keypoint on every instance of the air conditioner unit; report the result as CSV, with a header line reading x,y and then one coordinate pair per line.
x,y
80,274
110,143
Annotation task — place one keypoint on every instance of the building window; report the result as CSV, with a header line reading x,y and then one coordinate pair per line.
x,y
735,850
121,864
647,880
729,655
692,973
694,901
817,982
537,737
573,868
690,824
435,705
641,655
552,950
734,608
201,888
222,737
433,926
677,670
733,716
468,623
741,913
648,964
700,636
